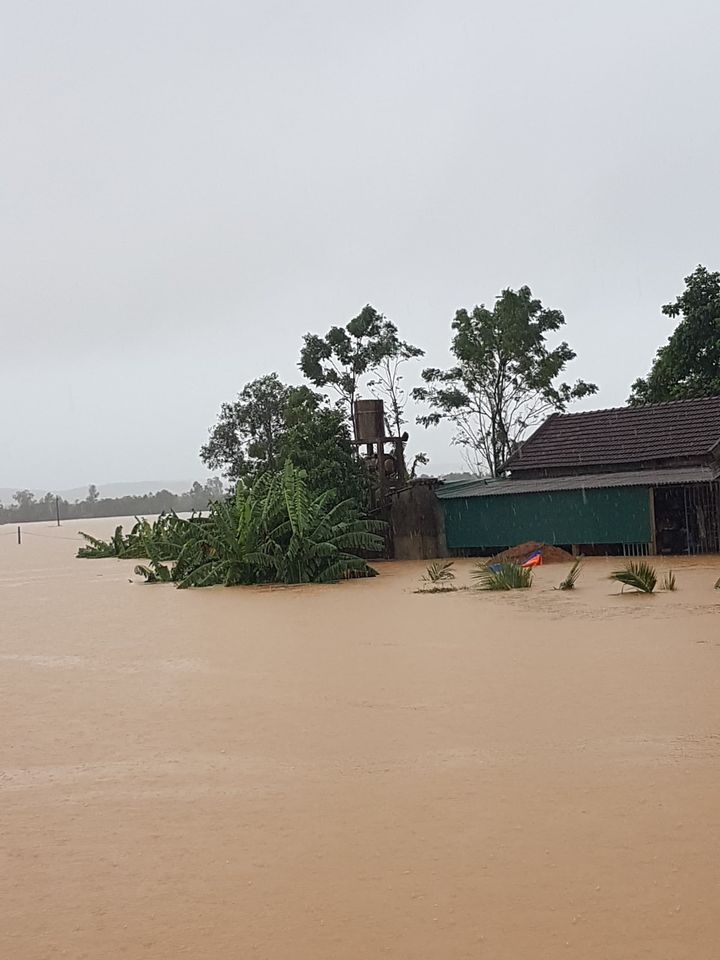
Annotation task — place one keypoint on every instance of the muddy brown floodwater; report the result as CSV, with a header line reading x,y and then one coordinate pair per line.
x,y
355,771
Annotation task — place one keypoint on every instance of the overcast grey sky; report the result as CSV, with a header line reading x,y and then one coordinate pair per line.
x,y
188,187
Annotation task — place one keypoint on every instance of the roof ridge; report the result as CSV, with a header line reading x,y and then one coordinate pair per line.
x,y
641,406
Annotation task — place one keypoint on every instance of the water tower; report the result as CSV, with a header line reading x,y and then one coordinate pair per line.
x,y
370,432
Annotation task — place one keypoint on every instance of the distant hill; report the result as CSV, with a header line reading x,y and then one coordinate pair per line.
x,y
136,489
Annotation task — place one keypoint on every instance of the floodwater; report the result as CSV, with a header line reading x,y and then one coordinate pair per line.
x,y
355,771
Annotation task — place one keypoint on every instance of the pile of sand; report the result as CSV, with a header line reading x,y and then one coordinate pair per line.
x,y
522,551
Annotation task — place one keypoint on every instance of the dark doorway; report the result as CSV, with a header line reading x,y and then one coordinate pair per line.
x,y
687,519
670,520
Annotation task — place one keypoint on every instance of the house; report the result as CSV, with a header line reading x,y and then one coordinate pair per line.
x,y
631,480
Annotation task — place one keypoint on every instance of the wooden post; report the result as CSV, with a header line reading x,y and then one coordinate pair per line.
x,y
381,469
653,541
57,510
19,536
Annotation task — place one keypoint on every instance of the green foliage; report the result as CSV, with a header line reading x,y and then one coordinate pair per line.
x,y
571,579
155,541
95,548
439,574
639,575
271,423
317,441
154,572
504,380
506,576
275,531
369,342
688,365
245,440
118,545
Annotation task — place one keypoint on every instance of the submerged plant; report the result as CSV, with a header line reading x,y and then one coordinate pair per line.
x,y
154,572
276,531
571,579
94,548
638,575
669,582
502,576
146,540
439,575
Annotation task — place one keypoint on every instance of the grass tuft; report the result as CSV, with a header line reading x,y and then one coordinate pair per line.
x,y
669,582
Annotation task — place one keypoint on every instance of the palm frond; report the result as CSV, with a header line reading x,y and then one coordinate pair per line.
x,y
638,575
571,579
439,571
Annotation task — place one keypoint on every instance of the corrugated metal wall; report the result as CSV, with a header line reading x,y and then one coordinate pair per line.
x,y
617,515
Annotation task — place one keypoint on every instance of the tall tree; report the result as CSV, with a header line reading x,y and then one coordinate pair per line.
x,y
387,382
24,498
93,494
317,440
271,423
344,355
244,441
505,380
688,365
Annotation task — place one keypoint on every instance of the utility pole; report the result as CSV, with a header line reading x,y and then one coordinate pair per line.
x,y
57,510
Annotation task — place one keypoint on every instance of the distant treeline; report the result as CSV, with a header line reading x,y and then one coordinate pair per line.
x,y
26,509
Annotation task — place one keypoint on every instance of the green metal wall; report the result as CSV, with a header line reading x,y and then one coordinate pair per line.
x,y
615,515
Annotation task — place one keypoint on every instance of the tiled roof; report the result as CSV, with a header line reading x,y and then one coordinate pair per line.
x,y
660,431
588,481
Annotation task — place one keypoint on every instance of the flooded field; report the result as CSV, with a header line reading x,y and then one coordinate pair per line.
x,y
355,771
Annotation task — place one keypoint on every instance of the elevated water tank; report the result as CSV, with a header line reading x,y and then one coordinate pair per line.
x,y
369,420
